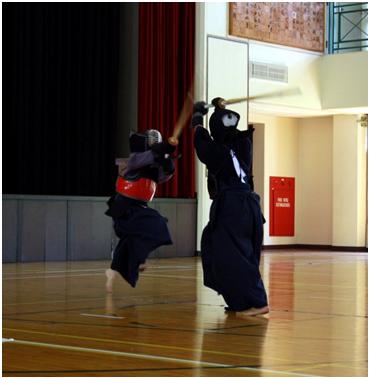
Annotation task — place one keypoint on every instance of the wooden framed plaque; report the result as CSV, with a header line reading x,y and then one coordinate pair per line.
x,y
300,25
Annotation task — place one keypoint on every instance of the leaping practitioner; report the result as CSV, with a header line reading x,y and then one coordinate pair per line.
x,y
140,229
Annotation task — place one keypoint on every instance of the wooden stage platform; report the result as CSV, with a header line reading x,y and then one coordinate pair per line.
x,y
58,320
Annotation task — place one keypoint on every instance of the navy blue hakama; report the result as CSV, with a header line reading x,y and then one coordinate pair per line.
x,y
231,249
232,240
141,230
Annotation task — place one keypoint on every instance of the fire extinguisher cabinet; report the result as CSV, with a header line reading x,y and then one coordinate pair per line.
x,y
281,206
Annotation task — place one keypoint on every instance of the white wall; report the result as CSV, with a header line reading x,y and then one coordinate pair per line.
x,y
321,153
314,182
303,69
349,195
327,157
216,16
211,19
280,159
344,80
327,81
362,184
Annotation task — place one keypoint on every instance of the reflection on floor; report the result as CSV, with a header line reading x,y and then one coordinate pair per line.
x,y
64,324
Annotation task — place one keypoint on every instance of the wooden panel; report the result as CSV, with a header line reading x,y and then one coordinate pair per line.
x,y
10,228
89,231
56,231
49,230
292,24
43,231
186,230
32,231
182,225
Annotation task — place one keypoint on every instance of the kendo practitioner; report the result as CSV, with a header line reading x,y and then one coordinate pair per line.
x,y
140,229
232,240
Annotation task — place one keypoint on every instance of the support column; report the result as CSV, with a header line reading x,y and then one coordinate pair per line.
x,y
349,181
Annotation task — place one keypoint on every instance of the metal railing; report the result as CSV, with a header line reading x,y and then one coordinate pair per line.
x,y
347,27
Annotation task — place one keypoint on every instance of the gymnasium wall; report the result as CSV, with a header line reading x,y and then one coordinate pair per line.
x,y
280,146
303,147
315,181
57,228
349,175
344,80
326,81
327,157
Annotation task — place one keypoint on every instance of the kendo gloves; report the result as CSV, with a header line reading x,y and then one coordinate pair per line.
x,y
162,152
163,148
199,110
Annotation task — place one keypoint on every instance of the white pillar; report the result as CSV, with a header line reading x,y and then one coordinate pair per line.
x,y
349,181
211,19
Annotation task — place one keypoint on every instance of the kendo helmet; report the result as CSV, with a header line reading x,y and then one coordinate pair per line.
x,y
140,142
223,123
153,136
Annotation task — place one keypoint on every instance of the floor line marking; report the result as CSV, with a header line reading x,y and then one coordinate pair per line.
x,y
56,301
128,296
333,364
304,286
333,298
152,357
54,276
171,276
144,344
96,274
102,270
103,316
221,331
30,272
137,369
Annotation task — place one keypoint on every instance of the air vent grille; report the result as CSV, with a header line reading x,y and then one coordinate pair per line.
x,y
269,71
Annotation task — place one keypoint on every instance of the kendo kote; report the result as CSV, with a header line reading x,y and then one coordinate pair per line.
x,y
231,242
140,229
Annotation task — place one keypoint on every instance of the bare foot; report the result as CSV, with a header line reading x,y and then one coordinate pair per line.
x,y
254,311
142,267
110,274
109,305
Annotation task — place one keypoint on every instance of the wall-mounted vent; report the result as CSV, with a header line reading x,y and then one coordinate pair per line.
x,y
268,71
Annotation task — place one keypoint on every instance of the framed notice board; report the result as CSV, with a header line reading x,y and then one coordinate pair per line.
x,y
300,25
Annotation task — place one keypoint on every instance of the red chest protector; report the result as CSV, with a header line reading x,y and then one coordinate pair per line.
x,y
141,189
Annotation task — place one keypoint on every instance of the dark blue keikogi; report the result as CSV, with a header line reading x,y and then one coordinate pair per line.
x,y
231,241
141,229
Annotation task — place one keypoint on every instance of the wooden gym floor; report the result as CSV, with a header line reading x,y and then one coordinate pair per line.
x,y
58,321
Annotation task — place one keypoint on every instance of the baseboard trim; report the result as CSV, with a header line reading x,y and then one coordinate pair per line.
x,y
348,249
354,249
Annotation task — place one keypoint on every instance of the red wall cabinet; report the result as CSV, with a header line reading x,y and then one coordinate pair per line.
x,y
281,206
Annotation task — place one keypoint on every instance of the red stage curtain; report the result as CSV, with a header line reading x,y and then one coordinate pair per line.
x,y
166,71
